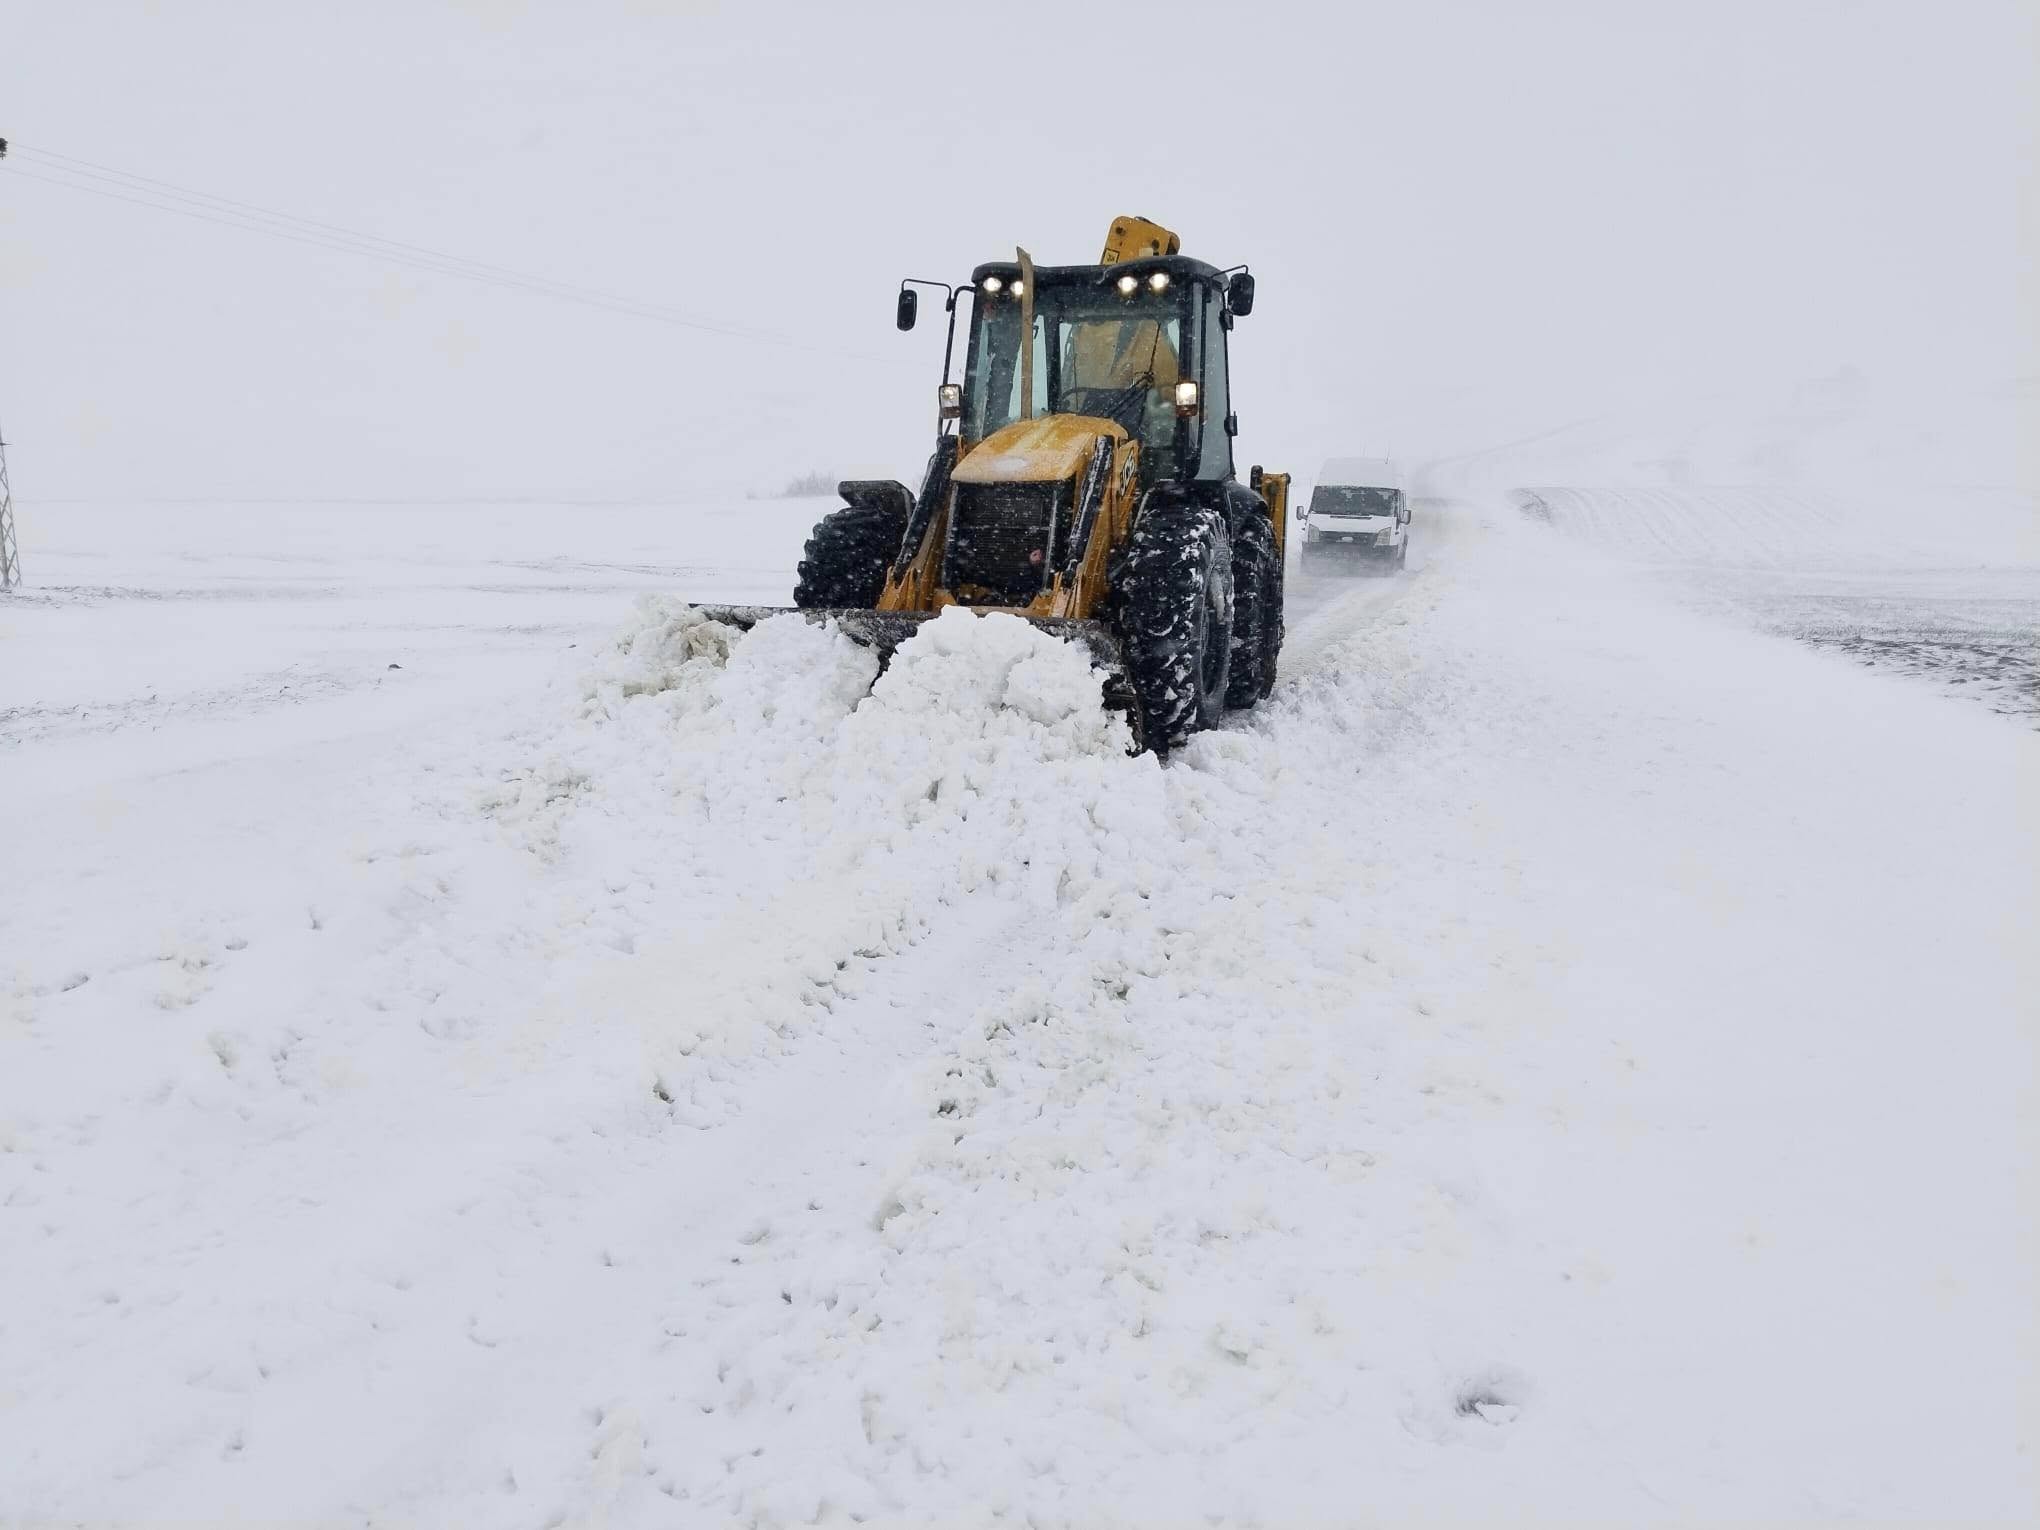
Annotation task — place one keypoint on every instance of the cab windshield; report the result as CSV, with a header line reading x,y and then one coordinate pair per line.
x,y
1095,353
1346,499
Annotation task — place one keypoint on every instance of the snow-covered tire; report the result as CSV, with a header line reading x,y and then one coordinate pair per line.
x,y
1278,631
845,560
1402,556
1257,614
1176,615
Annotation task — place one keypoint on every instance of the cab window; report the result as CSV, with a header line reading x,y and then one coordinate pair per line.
x,y
1215,454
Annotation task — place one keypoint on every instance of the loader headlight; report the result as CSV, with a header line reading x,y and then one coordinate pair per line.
x,y
1186,398
1159,281
1017,288
949,398
993,284
1127,286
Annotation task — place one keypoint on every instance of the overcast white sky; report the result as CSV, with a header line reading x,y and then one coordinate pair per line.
x,y
1469,221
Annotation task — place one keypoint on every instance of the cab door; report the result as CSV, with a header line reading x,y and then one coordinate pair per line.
x,y
1214,423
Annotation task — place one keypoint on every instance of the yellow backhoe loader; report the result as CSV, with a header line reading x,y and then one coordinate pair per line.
x,y
1083,480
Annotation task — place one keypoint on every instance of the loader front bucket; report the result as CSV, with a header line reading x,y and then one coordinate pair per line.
x,y
884,631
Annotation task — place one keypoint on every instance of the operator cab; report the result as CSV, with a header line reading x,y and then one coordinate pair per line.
x,y
1141,343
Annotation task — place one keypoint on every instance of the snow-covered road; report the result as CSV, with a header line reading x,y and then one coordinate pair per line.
x,y
1564,1057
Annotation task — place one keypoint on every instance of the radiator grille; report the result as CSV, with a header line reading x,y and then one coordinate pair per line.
x,y
999,540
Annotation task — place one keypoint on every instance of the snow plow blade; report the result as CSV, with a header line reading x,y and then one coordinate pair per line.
x,y
884,631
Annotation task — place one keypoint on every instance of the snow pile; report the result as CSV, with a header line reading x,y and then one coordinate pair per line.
x,y
667,646
985,756
858,804
982,729
1084,1269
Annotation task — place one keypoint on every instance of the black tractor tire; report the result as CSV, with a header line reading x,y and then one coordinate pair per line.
x,y
1257,614
1176,615
1276,631
845,560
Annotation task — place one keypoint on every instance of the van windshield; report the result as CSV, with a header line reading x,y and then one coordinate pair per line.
x,y
1347,499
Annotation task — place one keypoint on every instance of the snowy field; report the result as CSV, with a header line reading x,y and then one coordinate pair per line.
x,y
1975,631
1944,588
477,1049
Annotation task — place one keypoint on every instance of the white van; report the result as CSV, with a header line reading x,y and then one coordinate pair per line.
x,y
1358,517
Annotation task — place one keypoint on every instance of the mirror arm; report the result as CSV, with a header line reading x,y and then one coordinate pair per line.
x,y
950,293
949,342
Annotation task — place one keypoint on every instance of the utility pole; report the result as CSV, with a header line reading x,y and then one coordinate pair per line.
x,y
10,552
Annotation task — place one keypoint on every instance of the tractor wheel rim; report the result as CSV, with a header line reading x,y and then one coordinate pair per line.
x,y
1211,661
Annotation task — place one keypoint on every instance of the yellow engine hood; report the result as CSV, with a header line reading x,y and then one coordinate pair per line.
x,y
1052,448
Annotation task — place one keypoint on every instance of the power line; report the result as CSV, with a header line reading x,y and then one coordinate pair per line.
x,y
537,287
134,181
105,181
121,186
10,550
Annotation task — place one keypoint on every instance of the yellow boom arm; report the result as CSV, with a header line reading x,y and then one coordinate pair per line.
x,y
1132,238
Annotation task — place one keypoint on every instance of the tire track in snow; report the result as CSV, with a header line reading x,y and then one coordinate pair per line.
x,y
1322,611
1331,611
778,1246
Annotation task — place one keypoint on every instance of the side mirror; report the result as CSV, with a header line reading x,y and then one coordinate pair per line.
x,y
909,305
1239,293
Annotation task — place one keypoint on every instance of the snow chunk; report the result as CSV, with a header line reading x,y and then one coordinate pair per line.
x,y
791,678
969,669
666,645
